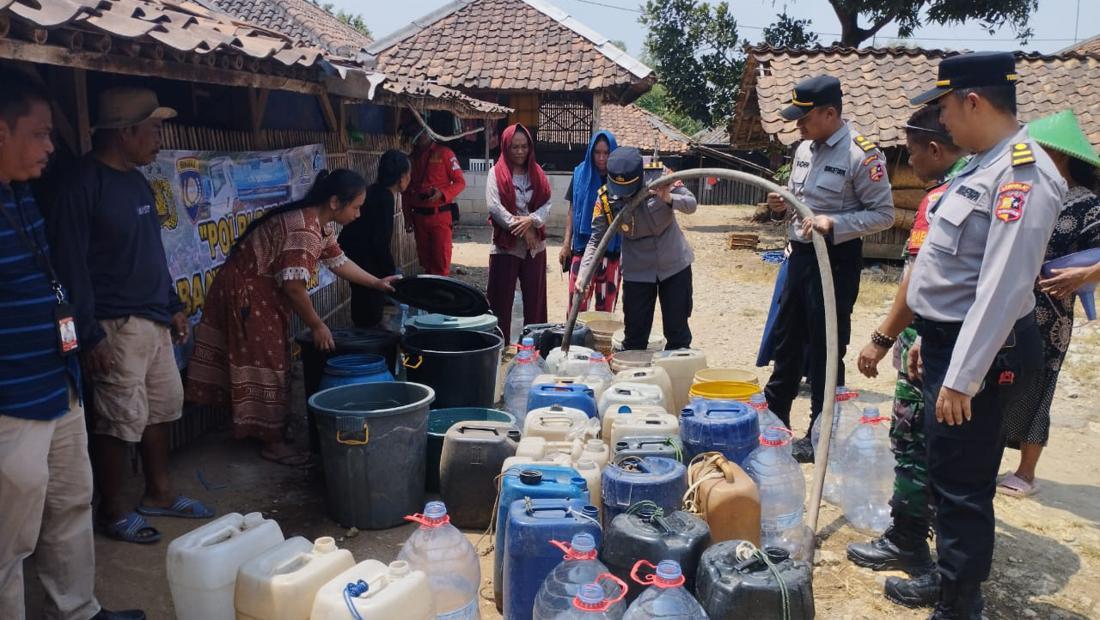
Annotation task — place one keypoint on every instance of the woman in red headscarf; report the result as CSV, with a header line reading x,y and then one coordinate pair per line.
x,y
518,195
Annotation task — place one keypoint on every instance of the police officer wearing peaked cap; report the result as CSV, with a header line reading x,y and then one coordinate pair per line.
x,y
971,293
841,176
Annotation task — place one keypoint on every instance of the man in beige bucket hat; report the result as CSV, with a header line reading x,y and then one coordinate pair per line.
x,y
105,236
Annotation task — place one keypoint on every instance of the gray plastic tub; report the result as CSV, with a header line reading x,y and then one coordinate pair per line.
x,y
373,444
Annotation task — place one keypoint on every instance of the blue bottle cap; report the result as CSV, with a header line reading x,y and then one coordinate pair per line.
x,y
591,594
528,342
870,412
669,570
580,483
583,543
435,510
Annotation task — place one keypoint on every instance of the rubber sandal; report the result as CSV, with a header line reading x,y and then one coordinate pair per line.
x,y
295,459
132,528
183,508
1015,486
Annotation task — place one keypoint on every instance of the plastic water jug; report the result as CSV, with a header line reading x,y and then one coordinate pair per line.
x,y
203,563
376,592
473,453
554,460
593,477
556,357
869,474
729,427
593,603
845,419
666,597
536,482
599,368
572,396
517,384
528,558
537,447
782,489
557,423
651,375
449,561
631,394
281,583
666,447
350,369
596,384
608,417
649,532
764,414
681,366
724,496
579,567
735,582
579,362
644,425
632,480
622,360
597,451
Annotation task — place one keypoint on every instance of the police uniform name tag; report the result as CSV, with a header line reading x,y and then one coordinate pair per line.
x,y
67,343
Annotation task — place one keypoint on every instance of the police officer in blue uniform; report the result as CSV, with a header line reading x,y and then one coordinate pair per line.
x,y
841,176
971,293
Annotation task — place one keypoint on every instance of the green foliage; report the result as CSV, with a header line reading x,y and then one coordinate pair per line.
x,y
790,32
657,102
907,14
696,51
619,44
354,20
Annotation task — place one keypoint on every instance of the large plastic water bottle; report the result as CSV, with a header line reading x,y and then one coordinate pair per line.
x,y
598,368
764,414
516,323
517,385
846,416
449,560
579,568
869,466
666,597
593,603
782,491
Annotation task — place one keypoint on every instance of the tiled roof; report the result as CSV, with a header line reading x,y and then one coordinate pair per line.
x,y
642,129
1088,46
300,19
175,26
511,45
878,83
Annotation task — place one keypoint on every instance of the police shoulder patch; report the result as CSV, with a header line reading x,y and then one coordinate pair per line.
x,y
1011,197
1022,154
864,143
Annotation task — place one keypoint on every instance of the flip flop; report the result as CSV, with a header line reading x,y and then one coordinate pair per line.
x,y
183,508
294,459
1015,486
131,528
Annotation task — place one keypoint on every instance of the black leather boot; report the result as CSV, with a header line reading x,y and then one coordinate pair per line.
x,y
923,591
904,546
959,601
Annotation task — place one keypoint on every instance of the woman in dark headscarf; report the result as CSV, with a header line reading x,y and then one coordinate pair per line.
x,y
518,195
588,177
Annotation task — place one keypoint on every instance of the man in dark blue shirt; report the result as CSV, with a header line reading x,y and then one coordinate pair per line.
x,y
105,235
45,477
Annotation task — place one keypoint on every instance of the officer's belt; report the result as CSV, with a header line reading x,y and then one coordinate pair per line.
x,y
947,333
800,248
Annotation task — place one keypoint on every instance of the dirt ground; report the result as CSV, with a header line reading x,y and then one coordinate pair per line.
x,y
1047,560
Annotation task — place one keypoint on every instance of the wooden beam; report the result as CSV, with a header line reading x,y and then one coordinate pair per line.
x,y
341,122
329,114
597,105
187,72
257,106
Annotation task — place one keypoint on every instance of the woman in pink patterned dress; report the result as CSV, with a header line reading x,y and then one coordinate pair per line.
x,y
242,353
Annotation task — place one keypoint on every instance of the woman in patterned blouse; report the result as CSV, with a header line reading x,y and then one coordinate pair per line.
x,y
242,353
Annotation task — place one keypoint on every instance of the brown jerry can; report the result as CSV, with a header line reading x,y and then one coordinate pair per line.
x,y
724,496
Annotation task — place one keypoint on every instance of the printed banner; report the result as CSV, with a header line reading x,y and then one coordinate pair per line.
x,y
206,199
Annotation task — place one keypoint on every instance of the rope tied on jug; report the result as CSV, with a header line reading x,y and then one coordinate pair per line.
x,y
355,589
581,515
492,520
747,551
709,461
650,511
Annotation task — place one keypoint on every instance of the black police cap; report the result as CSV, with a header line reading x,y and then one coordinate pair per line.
x,y
624,172
973,70
811,93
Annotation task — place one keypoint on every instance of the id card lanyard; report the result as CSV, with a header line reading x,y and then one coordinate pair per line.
x,y
67,342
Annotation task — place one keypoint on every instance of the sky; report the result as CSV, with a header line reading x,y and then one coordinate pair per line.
x,y
1053,23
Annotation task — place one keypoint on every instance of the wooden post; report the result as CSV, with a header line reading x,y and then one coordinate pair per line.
x,y
597,103
485,134
71,108
257,105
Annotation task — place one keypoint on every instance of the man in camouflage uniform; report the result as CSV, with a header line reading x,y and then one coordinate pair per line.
x,y
935,159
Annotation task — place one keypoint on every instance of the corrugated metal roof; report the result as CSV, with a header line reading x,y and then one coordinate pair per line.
x,y
878,83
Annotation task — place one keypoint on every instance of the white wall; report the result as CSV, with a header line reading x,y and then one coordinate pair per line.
x,y
475,212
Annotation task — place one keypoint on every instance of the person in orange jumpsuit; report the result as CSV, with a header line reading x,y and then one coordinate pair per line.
x,y
429,202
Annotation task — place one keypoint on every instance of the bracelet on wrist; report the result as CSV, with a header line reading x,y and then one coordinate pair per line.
x,y
882,340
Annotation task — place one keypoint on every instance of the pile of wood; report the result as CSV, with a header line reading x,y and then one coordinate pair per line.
x,y
744,241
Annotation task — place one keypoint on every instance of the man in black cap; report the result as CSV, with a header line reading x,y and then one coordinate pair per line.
x,y
841,176
971,293
656,258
